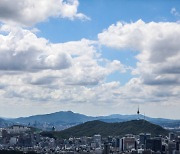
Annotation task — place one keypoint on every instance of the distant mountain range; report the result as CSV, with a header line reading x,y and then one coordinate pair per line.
x,y
169,123
109,129
62,118
5,123
65,119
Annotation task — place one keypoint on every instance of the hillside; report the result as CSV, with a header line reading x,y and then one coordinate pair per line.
x,y
107,129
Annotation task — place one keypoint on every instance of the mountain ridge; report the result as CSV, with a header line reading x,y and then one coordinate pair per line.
x,y
69,118
91,128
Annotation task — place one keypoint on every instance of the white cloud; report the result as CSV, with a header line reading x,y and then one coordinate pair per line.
x,y
158,61
22,50
35,70
158,46
116,65
30,12
175,12
72,75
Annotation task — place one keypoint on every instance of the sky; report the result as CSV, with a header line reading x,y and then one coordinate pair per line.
x,y
95,57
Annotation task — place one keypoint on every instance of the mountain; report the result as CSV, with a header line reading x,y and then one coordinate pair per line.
x,y
4,123
65,119
159,121
110,129
54,119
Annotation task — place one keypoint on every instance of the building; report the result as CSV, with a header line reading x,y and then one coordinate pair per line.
x,y
172,136
178,145
97,140
106,148
127,143
171,147
143,137
16,129
13,141
154,144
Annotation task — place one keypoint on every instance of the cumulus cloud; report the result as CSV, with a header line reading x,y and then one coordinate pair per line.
x,y
158,46
116,65
62,75
21,50
158,59
30,12
34,69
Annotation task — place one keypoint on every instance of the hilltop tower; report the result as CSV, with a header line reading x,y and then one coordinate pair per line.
x,y
138,112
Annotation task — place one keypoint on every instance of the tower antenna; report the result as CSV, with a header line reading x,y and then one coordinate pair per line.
x,y
138,112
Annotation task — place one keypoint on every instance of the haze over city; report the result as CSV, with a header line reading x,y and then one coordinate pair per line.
x,y
95,57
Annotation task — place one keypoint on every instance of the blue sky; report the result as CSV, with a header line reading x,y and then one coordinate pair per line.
x,y
103,14
95,57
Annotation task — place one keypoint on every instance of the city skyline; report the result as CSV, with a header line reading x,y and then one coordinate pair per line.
x,y
91,57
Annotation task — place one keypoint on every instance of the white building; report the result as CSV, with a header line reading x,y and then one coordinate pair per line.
x,y
18,129
13,140
97,140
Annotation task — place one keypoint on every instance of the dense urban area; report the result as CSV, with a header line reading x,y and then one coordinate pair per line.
x,y
23,139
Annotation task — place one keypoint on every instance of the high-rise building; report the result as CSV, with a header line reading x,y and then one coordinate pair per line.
x,y
154,144
143,137
128,143
106,148
97,140
172,136
178,145
117,143
171,147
